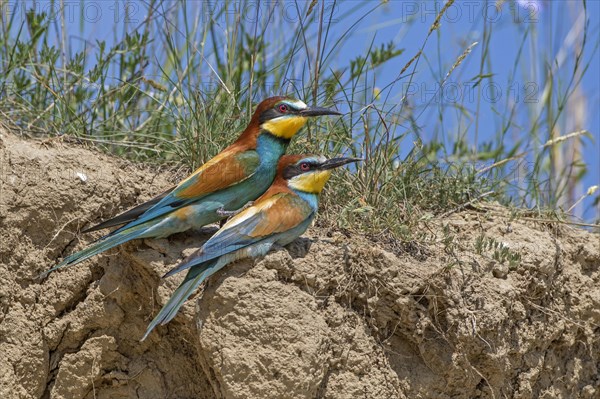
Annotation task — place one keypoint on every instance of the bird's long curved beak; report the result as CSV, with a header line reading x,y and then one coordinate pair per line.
x,y
316,111
337,162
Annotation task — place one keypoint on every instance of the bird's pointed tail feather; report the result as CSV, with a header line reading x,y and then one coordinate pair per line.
x,y
196,275
96,248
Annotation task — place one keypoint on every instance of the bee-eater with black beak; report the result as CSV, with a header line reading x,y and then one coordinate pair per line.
x,y
278,217
239,174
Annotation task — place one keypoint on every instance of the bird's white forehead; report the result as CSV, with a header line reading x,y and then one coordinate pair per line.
x,y
297,104
313,158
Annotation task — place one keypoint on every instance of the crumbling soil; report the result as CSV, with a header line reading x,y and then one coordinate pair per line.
x,y
330,316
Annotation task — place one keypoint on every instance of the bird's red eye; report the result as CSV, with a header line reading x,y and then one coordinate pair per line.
x,y
304,166
283,108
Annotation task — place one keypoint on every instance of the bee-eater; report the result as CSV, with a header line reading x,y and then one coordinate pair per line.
x,y
278,217
237,175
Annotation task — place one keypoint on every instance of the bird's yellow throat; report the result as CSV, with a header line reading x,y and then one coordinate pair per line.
x,y
285,127
310,182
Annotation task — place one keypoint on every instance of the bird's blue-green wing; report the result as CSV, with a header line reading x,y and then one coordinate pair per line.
x,y
228,168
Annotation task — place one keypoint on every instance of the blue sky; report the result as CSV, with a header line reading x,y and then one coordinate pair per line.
x,y
553,24
407,23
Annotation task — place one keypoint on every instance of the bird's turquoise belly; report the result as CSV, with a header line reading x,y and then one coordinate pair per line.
x,y
195,215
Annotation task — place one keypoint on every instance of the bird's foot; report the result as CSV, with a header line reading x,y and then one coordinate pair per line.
x,y
222,212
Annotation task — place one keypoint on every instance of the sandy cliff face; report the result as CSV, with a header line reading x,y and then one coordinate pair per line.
x,y
329,317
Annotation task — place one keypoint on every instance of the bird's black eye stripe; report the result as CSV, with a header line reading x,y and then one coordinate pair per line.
x,y
298,169
276,112
290,172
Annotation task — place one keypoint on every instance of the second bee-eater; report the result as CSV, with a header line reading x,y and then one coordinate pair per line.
x,y
237,175
278,217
